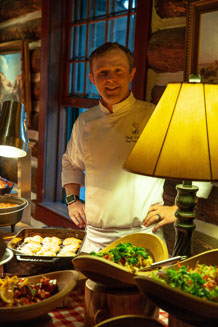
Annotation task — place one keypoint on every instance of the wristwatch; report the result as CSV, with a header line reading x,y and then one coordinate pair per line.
x,y
71,198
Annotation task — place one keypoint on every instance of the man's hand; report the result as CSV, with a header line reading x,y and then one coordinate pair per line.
x,y
160,214
76,212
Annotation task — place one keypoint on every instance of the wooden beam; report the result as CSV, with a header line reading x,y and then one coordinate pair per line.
x,y
142,31
30,30
14,8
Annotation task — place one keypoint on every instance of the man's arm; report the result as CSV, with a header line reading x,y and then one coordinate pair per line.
x,y
76,209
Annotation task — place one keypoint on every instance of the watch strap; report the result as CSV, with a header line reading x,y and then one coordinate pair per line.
x,y
71,198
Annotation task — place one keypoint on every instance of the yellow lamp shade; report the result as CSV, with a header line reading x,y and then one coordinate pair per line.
x,y
180,139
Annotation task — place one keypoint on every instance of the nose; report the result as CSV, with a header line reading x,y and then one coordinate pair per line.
x,y
110,76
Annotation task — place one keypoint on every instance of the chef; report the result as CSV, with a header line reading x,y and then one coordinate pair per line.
x,y
117,202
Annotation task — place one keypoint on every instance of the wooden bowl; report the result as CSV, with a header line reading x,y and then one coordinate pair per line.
x,y
66,281
111,274
184,306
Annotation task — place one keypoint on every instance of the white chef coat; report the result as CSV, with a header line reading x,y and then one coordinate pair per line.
x,y
116,201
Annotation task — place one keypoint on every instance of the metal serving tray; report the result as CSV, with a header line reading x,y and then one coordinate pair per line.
x,y
24,264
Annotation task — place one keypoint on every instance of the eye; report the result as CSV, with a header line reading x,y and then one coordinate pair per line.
x,y
103,73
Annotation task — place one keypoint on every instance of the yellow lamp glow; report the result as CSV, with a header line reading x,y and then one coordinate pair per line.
x,y
180,141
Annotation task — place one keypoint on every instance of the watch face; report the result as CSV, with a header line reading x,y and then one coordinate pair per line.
x,y
71,198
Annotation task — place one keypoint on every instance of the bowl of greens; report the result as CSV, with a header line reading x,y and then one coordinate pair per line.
x,y
188,290
117,264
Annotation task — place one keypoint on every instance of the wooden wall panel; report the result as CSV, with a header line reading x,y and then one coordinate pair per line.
x,y
15,8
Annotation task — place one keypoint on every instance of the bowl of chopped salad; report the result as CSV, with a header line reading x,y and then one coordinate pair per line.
x,y
28,298
188,290
117,264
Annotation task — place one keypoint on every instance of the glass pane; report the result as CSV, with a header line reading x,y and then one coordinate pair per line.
x,y
72,115
122,6
117,30
96,35
79,10
131,42
77,78
118,6
98,8
78,42
82,110
91,89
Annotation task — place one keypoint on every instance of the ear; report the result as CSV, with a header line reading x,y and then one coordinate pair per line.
x,y
92,78
132,74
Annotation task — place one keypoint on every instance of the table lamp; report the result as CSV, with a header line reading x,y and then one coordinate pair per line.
x,y
14,144
13,130
180,141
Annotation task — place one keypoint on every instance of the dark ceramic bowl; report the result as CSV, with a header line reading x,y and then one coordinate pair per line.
x,y
8,188
12,215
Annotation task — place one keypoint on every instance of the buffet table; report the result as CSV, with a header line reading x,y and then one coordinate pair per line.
x,y
71,312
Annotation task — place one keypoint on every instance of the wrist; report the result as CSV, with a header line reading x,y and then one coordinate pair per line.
x,y
71,198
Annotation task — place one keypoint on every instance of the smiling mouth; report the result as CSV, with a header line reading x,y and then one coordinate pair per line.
x,y
110,89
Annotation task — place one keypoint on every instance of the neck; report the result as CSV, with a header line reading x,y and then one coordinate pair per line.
x,y
110,106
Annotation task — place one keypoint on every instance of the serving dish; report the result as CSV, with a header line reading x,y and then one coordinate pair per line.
x,y
2,247
24,264
111,274
129,321
184,306
7,188
66,281
12,215
7,256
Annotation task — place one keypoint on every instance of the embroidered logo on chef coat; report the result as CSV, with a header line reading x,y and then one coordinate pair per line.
x,y
134,137
136,128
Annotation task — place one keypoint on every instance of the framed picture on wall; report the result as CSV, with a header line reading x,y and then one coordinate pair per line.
x,y
202,40
15,74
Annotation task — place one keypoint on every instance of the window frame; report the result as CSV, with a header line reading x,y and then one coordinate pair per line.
x,y
53,114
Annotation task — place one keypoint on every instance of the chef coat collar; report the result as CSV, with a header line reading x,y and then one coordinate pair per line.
x,y
121,106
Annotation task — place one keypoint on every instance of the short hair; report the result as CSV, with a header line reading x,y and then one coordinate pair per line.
x,y
108,46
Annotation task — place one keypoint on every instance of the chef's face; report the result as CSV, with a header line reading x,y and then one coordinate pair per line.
x,y
111,75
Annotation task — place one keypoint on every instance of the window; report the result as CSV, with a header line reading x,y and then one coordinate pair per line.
x,y
91,24
72,29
